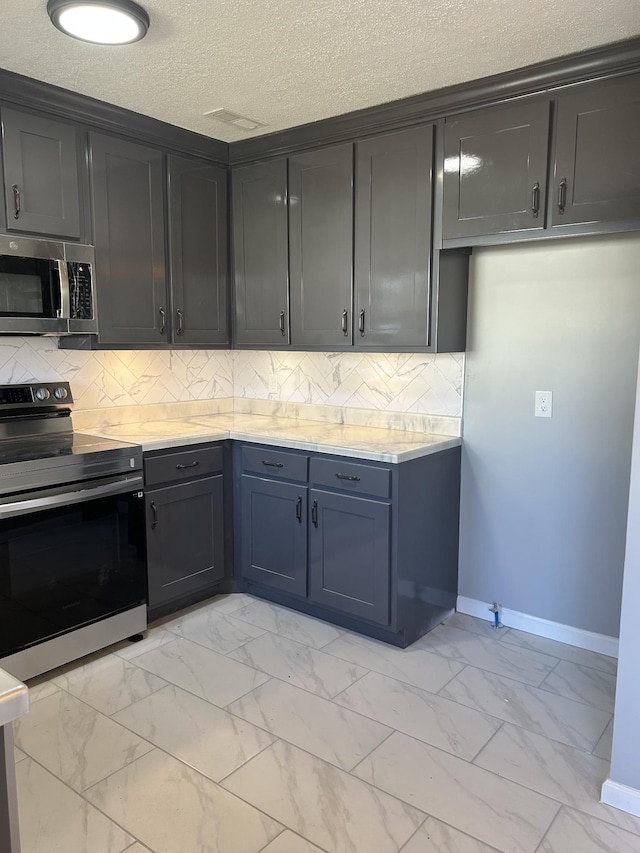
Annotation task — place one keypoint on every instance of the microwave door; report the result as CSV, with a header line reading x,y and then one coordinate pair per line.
x,y
31,296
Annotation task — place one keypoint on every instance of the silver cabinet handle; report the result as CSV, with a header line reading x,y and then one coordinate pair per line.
x,y
75,496
154,510
282,323
535,199
163,320
562,195
16,201
361,323
180,317
345,318
181,467
272,464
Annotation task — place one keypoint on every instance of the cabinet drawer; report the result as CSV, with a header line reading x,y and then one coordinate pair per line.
x,y
275,463
351,477
174,467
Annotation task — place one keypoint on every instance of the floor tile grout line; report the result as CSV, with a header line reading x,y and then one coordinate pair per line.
x,y
579,701
566,659
485,745
600,738
576,808
84,799
413,835
548,830
371,751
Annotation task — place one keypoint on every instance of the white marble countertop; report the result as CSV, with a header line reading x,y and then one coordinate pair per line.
x,y
381,445
14,698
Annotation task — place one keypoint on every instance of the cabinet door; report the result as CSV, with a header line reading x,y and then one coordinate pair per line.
x,y
42,193
349,559
128,210
321,247
260,254
198,250
393,238
185,539
274,534
597,154
495,170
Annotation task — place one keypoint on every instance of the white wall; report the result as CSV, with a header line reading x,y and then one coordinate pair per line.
x,y
625,759
544,501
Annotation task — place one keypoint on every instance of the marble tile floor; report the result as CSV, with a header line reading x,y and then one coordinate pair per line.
x,y
238,727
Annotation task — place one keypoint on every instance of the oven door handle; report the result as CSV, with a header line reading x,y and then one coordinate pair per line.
x,y
22,507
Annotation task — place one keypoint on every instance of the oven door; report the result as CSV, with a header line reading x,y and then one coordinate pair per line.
x,y
68,558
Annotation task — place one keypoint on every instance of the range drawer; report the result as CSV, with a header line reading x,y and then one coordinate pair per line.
x,y
183,465
361,479
275,463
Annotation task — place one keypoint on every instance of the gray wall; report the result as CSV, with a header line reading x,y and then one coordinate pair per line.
x,y
544,501
625,759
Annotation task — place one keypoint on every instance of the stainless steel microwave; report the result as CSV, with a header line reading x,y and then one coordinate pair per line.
x,y
46,287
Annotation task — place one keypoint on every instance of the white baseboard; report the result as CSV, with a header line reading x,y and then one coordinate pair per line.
x,y
621,797
542,627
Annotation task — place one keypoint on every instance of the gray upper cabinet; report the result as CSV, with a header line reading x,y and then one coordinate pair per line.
x,y
41,176
198,252
321,247
495,170
393,238
128,209
260,254
597,154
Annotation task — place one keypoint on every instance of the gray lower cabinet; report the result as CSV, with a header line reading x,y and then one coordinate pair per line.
x,y
185,520
274,534
41,176
260,254
495,170
127,182
596,176
394,177
321,247
198,252
349,557
370,546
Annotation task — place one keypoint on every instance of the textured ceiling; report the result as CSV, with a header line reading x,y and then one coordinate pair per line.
x,y
289,62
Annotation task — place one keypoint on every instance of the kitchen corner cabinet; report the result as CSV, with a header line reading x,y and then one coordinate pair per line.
x,y
321,247
369,546
42,183
260,254
394,189
198,249
127,182
495,170
596,175
185,521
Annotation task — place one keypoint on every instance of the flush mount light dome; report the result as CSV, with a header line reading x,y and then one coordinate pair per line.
x,y
100,21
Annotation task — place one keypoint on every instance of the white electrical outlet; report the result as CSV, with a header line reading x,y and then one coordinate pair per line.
x,y
273,383
544,404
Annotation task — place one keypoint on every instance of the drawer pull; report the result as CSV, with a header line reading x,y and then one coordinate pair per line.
x,y
299,509
190,465
282,328
345,319
314,513
347,477
163,320
272,464
361,323
154,510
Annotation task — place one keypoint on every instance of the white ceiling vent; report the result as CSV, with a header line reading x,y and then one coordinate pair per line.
x,y
235,119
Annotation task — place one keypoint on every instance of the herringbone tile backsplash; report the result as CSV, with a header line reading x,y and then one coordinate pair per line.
x,y
396,382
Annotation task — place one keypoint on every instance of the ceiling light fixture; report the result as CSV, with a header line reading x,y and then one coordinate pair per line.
x,y
100,21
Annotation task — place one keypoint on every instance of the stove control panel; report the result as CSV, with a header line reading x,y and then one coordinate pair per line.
x,y
35,395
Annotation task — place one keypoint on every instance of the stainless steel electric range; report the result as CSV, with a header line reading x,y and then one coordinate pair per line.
x,y
72,554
